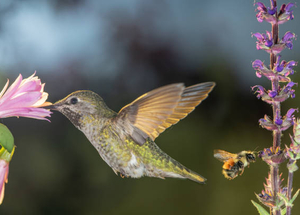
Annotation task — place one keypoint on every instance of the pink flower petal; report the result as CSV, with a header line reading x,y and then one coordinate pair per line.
x,y
37,113
29,86
41,101
4,88
4,168
23,98
11,90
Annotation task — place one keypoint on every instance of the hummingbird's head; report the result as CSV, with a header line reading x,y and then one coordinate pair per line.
x,y
79,105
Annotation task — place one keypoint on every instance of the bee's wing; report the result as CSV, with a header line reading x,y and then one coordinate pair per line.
x,y
152,113
222,155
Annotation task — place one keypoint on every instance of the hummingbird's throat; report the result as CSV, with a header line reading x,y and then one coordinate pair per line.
x,y
74,117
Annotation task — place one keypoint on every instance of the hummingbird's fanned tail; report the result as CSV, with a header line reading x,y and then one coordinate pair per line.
x,y
189,174
186,173
177,170
159,164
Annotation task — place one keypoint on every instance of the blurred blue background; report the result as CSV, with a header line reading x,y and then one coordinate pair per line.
x,y
122,49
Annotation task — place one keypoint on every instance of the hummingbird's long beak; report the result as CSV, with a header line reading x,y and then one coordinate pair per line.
x,y
54,106
51,107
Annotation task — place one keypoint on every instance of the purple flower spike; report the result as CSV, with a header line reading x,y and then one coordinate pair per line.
x,y
288,36
287,39
278,120
267,123
261,7
265,14
258,74
261,93
279,67
272,11
290,112
291,64
272,94
272,158
280,71
260,90
288,119
258,36
275,195
286,68
268,152
285,13
269,39
268,43
265,42
258,65
288,91
290,85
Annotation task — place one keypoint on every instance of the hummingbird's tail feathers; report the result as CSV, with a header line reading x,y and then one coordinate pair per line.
x,y
152,113
185,173
175,169
189,174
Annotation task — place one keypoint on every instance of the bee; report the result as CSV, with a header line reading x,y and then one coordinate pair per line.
x,y
234,163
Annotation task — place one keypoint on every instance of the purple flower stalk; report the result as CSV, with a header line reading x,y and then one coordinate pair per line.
x,y
276,196
266,42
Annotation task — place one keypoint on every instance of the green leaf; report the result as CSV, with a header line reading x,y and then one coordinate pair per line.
x,y
283,211
6,138
289,202
295,196
284,198
259,208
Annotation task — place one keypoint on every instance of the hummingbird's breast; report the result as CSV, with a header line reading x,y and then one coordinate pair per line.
x,y
113,147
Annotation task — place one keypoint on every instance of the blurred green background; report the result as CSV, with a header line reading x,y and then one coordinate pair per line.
x,y
122,49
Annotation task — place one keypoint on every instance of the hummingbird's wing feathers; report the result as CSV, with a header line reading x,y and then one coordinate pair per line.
x,y
190,98
142,117
152,113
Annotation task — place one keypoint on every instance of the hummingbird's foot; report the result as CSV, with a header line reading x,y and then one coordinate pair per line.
x,y
122,176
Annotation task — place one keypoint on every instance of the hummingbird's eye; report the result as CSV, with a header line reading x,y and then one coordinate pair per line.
x,y
73,101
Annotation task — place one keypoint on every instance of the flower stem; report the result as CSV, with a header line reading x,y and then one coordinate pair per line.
x,y
276,113
289,191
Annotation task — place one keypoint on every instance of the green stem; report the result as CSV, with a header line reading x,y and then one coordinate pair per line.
x,y
289,192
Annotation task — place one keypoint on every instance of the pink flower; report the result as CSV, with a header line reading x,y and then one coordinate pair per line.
x,y
23,98
3,177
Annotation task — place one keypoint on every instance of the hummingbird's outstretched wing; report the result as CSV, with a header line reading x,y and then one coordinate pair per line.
x,y
155,111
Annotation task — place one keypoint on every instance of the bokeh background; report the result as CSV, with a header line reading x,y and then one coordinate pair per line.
x,y
122,49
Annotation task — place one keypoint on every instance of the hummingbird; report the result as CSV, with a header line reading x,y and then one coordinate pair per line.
x,y
125,140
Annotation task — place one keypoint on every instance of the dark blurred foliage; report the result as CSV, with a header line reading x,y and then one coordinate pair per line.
x,y
55,170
